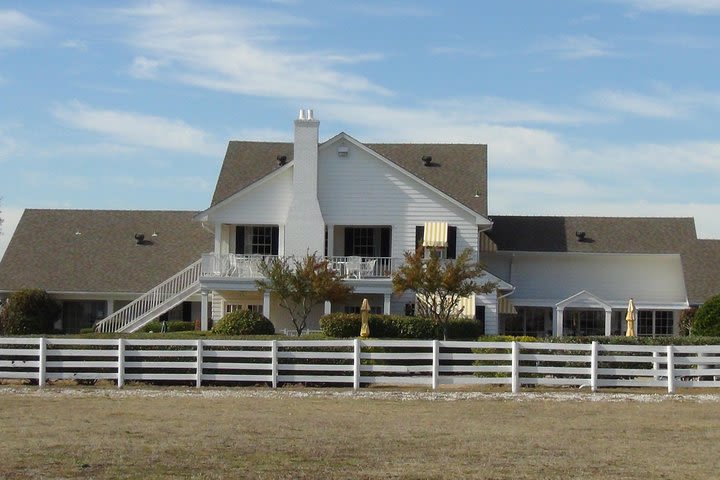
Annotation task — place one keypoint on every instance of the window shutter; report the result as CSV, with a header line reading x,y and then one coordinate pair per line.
x,y
480,317
419,235
348,241
384,242
275,240
239,240
452,242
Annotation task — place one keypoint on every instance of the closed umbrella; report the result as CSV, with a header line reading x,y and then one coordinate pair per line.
x,y
630,319
365,318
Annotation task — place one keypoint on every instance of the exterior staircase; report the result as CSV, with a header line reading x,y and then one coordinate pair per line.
x,y
160,299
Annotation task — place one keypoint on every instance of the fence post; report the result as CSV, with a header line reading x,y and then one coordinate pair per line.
x,y
514,364
121,363
593,366
670,369
356,363
199,366
42,353
274,360
435,363
656,365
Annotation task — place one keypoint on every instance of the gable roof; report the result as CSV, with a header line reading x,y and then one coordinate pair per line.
x,y
701,264
45,252
458,170
602,234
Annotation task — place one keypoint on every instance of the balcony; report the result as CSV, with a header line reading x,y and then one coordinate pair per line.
x,y
248,266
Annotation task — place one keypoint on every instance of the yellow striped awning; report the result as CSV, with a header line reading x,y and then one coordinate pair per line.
x,y
505,306
465,307
435,234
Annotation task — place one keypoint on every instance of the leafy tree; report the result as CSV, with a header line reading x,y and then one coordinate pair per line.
x,y
28,312
302,284
439,284
706,321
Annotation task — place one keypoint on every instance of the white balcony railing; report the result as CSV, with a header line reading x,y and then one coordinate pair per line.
x,y
248,266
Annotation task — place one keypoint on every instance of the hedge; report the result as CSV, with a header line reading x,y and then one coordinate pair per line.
x,y
706,320
347,325
612,340
244,322
176,326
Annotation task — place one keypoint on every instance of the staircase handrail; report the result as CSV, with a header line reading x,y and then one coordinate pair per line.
x,y
155,297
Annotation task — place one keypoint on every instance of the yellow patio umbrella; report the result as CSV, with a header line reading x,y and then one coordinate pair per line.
x,y
365,318
630,319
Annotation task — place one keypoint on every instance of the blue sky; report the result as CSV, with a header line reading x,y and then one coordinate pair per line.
x,y
604,107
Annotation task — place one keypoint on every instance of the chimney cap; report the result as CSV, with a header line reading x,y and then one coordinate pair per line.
x,y
307,115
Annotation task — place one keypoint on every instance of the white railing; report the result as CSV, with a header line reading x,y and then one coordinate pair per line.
x,y
359,363
153,303
248,266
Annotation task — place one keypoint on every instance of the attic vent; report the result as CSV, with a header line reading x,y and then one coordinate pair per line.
x,y
427,160
343,151
282,160
580,236
140,238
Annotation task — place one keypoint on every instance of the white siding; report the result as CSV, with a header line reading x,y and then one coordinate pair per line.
x,y
550,278
267,203
359,189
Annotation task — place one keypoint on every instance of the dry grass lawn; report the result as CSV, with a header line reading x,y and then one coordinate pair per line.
x,y
239,437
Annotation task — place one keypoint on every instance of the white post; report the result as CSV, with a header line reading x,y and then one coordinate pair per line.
x,y
670,369
514,364
42,353
281,240
121,363
204,310
356,363
266,304
386,303
656,365
199,365
559,322
327,307
435,364
274,353
593,366
608,322
330,240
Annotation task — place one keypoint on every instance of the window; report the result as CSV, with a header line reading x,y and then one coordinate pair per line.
x,y
232,307
450,251
261,241
375,310
363,244
257,239
583,323
529,321
654,323
409,309
367,241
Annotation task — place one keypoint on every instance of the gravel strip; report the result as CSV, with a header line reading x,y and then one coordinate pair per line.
x,y
396,395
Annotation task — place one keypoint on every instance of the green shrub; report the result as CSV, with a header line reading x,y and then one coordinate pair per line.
x,y
244,322
28,312
175,326
346,325
706,320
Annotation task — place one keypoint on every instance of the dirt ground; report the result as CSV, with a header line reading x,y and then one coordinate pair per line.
x,y
248,433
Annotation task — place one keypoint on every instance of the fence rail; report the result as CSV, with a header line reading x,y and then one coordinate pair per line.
x,y
357,363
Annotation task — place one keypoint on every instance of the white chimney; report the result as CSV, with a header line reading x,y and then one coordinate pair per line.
x,y
305,227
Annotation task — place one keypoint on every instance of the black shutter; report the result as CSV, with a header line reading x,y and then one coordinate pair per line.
x,y
239,240
385,242
275,238
480,317
187,311
348,241
419,236
452,242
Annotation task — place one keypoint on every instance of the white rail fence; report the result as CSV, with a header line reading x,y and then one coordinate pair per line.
x,y
357,363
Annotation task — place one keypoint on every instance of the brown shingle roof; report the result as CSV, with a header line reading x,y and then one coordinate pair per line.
x,y
458,170
602,234
46,253
701,264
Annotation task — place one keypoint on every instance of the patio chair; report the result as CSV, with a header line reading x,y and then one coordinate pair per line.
x,y
354,267
368,268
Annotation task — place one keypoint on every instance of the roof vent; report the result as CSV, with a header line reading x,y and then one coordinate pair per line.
x,y
343,151
282,160
427,160
140,238
580,236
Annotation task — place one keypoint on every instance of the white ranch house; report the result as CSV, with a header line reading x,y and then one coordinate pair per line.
x,y
361,206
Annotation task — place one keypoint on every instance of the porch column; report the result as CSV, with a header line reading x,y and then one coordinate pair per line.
x,y
608,322
328,307
281,240
558,321
330,240
218,238
266,304
110,308
203,310
386,304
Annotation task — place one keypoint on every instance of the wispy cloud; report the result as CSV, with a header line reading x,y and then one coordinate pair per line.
x,y
661,103
689,7
574,47
16,27
132,128
236,49
389,9
184,183
74,45
461,51
8,146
